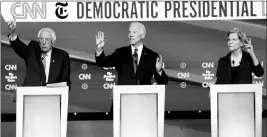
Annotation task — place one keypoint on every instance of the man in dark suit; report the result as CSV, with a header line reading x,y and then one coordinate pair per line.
x,y
44,63
135,64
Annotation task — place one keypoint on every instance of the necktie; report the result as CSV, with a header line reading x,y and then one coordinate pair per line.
x,y
135,59
43,58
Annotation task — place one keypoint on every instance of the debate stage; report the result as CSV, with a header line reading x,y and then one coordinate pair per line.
x,y
104,128
98,126
176,41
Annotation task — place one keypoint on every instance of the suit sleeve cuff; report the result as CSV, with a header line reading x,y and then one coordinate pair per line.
x,y
98,53
160,72
13,38
258,66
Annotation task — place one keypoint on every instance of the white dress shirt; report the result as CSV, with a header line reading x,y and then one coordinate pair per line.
x,y
139,52
47,60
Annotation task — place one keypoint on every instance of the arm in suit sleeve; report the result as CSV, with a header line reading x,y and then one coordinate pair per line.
x,y
161,79
256,66
218,81
106,61
20,48
65,76
258,70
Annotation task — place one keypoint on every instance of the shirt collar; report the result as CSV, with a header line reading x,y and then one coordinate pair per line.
x,y
49,53
140,48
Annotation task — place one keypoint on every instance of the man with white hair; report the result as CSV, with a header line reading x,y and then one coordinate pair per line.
x,y
135,64
44,63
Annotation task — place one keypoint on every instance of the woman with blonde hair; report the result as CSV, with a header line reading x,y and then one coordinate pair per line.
x,y
239,64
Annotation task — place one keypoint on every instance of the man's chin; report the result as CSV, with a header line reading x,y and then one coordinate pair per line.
x,y
231,48
44,50
131,42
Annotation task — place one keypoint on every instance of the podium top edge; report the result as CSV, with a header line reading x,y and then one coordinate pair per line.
x,y
140,85
41,86
238,88
42,90
136,89
237,85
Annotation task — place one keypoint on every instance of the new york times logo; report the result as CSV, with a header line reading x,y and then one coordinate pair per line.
x,y
61,11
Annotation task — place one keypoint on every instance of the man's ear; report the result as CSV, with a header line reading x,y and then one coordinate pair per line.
x,y
143,35
53,42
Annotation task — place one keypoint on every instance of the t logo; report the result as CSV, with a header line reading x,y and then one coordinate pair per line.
x,y
61,12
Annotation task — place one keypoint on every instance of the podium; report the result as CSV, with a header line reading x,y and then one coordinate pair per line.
x,y
236,110
138,111
41,111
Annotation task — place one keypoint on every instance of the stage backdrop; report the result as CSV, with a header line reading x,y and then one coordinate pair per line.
x,y
196,48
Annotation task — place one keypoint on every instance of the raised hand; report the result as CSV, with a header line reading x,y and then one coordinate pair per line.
x,y
100,40
159,63
249,46
12,26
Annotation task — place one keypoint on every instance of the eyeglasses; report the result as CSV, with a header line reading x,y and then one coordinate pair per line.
x,y
45,39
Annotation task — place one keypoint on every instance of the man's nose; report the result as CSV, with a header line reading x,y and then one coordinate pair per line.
x,y
43,41
130,34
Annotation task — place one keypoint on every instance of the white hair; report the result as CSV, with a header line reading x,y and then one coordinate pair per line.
x,y
141,27
50,31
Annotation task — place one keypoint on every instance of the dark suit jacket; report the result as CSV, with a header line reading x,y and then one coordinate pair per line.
x,y
224,74
35,74
122,60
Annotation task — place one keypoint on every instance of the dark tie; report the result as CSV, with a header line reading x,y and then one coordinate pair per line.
x,y
135,60
43,58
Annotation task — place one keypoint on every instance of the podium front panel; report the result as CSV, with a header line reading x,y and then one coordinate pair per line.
x,y
41,111
236,115
139,115
138,110
236,110
41,116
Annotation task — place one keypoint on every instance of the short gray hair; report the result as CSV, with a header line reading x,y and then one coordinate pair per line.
x,y
49,30
141,26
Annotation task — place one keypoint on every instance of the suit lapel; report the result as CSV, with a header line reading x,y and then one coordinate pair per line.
x,y
129,52
39,66
142,59
242,63
52,64
229,65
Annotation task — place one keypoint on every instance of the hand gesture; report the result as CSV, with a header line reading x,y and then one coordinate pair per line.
x,y
249,46
12,26
100,40
159,63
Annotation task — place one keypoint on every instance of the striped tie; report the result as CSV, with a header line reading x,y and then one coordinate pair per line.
x,y
43,58
135,60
